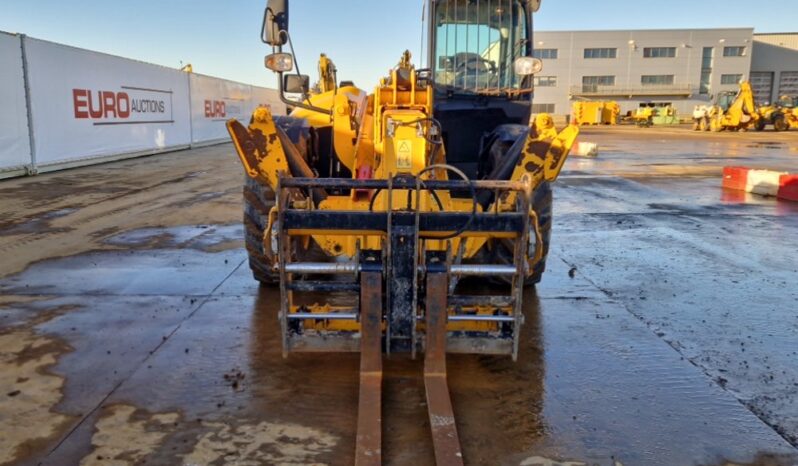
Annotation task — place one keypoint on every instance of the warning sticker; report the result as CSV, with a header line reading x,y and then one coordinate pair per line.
x,y
404,154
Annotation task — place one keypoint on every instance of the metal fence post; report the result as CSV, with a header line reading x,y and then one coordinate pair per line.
x,y
32,169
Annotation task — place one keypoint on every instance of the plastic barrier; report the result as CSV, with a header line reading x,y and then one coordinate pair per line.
x,y
15,154
763,182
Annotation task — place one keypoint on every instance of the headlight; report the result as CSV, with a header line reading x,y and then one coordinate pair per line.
x,y
526,66
280,62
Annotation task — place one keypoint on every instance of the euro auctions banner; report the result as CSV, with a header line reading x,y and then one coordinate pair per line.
x,y
14,138
87,104
263,97
213,102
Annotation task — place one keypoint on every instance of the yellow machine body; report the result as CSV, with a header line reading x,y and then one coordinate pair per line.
x,y
738,114
373,237
385,134
596,112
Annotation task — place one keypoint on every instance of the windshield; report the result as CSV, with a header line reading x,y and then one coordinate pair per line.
x,y
788,101
475,45
726,99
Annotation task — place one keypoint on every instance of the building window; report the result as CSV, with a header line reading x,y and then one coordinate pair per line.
x,y
546,54
545,81
598,80
706,70
657,80
733,51
659,52
601,53
731,78
542,108
592,83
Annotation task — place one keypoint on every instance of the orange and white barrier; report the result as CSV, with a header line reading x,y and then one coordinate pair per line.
x,y
782,185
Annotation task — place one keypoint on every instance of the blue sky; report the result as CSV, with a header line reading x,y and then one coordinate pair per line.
x,y
363,37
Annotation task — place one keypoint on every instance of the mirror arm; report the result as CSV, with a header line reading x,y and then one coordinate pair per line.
x,y
305,97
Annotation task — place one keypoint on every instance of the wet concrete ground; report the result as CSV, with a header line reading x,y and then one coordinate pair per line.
x,y
131,331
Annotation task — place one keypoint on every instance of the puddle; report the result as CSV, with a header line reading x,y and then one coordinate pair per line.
x,y
767,145
38,225
203,237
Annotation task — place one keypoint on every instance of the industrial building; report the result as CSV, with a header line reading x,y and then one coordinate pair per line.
x,y
678,67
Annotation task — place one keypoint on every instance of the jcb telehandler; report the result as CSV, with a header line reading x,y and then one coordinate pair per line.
x,y
367,209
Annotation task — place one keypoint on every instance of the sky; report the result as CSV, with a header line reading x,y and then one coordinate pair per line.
x,y
363,37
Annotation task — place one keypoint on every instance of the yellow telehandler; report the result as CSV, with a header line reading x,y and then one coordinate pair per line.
x,y
379,204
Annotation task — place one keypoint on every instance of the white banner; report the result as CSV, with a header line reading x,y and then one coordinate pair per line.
x,y
14,139
263,97
87,104
213,102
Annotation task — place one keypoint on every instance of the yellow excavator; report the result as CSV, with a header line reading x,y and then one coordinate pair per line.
x,y
371,211
783,115
731,111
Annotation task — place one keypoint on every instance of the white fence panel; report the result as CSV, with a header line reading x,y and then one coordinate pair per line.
x,y
270,98
213,102
14,139
88,105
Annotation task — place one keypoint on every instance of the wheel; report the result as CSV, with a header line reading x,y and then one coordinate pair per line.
x,y
258,201
780,123
696,125
704,124
542,204
502,252
760,124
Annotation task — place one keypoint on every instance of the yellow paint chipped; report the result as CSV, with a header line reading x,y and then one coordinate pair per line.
x,y
24,360
121,438
257,444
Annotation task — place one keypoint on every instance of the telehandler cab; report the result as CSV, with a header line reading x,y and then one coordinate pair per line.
x,y
378,204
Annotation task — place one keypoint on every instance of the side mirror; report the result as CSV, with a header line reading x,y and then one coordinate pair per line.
x,y
534,5
275,20
296,83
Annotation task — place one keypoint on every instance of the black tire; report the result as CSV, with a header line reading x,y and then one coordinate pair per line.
x,y
503,252
760,124
780,123
542,204
258,201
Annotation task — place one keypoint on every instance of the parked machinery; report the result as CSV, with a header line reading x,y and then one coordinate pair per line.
x,y
596,112
731,111
783,115
351,200
644,117
701,117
